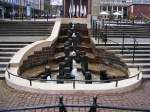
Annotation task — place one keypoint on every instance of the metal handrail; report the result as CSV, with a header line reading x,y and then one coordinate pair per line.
x,y
74,80
123,46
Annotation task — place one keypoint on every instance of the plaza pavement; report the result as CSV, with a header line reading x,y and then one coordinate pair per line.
x,y
11,98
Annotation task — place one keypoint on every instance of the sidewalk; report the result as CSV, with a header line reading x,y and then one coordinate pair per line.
x,y
138,98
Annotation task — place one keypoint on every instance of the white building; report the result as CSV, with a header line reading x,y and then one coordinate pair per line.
x,y
110,6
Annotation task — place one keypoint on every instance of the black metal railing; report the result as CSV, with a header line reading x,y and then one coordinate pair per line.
x,y
102,34
92,107
74,81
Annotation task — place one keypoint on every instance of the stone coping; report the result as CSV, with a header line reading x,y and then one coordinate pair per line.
x,y
22,54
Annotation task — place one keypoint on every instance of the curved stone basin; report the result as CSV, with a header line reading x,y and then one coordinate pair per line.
x,y
96,60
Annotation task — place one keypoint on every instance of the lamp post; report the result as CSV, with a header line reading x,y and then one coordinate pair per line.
x,y
13,10
40,7
33,10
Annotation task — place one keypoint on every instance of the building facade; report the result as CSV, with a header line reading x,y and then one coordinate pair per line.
x,y
110,6
140,9
18,7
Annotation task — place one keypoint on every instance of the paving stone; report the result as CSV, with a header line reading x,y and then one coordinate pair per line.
x,y
138,98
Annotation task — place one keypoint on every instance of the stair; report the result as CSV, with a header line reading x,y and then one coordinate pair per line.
x,y
18,30
26,28
138,31
7,50
142,51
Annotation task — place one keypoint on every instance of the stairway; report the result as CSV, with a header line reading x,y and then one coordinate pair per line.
x,y
137,31
142,51
26,28
7,50
15,35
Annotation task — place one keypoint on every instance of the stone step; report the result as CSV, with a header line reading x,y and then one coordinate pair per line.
x,y
143,65
5,59
146,71
146,76
136,56
6,54
12,45
9,49
26,34
129,52
126,47
120,44
9,42
120,36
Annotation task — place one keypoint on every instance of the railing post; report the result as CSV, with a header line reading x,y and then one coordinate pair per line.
x,y
93,28
134,51
96,31
138,76
94,105
105,38
116,83
8,75
99,32
123,43
30,82
61,105
74,84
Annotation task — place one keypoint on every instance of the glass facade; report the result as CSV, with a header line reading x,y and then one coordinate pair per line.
x,y
36,4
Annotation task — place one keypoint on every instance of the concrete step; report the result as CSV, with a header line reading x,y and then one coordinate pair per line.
x,y
9,50
26,34
12,45
9,42
146,71
136,56
137,60
120,44
130,51
6,54
5,59
142,65
130,48
146,76
2,76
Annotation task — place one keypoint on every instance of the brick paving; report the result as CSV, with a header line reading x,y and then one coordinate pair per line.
x,y
11,98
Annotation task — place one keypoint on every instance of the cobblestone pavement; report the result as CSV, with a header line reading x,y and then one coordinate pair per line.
x,y
11,98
